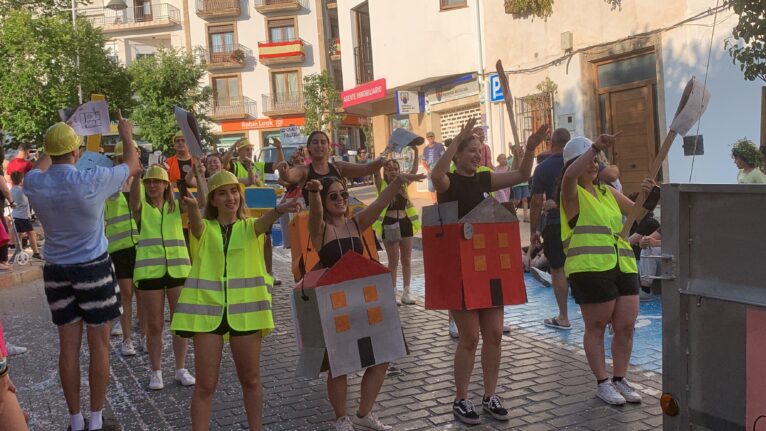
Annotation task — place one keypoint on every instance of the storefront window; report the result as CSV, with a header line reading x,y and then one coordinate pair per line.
x,y
400,122
405,158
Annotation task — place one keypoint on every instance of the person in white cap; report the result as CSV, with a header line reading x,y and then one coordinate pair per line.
x,y
600,265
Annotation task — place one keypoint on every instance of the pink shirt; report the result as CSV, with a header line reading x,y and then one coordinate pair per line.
x,y
3,352
503,195
486,156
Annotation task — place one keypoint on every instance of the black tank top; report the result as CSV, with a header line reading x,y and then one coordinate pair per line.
x,y
333,250
313,175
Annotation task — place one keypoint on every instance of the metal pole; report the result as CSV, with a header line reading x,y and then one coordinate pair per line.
x,y
77,59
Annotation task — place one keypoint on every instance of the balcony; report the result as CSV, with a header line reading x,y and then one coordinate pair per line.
x,y
218,8
331,4
236,109
282,104
278,6
284,52
335,49
363,62
148,16
227,57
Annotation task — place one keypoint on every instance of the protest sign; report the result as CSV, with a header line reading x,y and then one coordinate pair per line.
x,y
188,125
291,135
91,118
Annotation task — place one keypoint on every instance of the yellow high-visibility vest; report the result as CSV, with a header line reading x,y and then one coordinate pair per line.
x,y
409,210
119,225
161,246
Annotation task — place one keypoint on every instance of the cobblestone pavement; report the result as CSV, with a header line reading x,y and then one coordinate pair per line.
x,y
545,381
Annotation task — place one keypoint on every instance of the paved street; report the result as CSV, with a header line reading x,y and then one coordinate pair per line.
x,y
544,378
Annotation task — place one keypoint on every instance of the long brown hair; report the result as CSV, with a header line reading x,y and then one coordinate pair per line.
x,y
403,190
168,196
211,211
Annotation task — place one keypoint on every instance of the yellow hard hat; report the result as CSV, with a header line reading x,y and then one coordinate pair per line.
x,y
244,143
176,136
119,148
156,172
60,139
223,178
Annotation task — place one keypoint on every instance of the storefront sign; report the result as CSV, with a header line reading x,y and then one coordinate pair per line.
x,y
409,102
447,93
364,93
261,123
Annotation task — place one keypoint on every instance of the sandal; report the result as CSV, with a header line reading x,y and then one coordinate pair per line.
x,y
553,323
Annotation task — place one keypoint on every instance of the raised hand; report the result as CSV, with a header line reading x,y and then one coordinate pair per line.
x,y
281,166
647,184
465,132
538,137
189,202
277,143
408,178
313,186
604,141
125,129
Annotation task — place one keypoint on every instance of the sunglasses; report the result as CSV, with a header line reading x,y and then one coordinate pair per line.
x,y
335,196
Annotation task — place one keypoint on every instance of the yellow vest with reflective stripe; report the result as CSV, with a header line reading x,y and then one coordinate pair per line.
x,y
409,210
120,227
595,243
161,246
240,171
245,291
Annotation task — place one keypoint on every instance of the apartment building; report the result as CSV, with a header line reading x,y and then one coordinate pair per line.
x,y
592,67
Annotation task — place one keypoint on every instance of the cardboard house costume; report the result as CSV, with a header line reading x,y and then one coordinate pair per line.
x,y
348,312
473,262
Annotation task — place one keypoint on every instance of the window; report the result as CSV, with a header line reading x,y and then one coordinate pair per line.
x,y
453,4
632,69
285,86
139,55
281,30
226,90
221,38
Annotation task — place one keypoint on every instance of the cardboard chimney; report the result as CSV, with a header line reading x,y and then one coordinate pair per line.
x,y
348,312
473,262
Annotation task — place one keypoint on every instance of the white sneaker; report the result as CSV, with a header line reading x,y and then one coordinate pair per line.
x,y
369,423
127,348
627,391
184,377
14,350
155,380
344,424
453,329
406,298
607,392
117,329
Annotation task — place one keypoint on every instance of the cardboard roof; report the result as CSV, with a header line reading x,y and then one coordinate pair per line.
x,y
350,266
488,211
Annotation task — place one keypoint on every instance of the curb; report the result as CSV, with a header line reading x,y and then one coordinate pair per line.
x,y
21,275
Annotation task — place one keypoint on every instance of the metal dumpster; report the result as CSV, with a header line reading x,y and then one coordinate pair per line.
x,y
714,306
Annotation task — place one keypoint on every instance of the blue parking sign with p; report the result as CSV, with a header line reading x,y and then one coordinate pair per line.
x,y
495,89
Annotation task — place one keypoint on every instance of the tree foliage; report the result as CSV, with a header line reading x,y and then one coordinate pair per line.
x,y
36,7
39,73
749,50
171,77
321,100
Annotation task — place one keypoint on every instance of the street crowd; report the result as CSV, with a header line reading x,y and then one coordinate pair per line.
x,y
211,262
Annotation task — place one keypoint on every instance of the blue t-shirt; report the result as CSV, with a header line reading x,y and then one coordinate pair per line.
x,y
546,180
431,155
70,205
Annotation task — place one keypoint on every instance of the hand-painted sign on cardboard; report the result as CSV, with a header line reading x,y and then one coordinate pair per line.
x,y
473,262
349,313
189,127
91,118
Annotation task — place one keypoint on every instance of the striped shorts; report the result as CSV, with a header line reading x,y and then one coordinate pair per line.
x,y
83,291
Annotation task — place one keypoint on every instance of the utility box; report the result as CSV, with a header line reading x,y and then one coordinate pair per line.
x,y
714,306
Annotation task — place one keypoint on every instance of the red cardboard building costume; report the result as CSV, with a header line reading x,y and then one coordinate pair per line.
x,y
473,262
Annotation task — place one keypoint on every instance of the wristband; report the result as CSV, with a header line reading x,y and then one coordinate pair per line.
x,y
313,191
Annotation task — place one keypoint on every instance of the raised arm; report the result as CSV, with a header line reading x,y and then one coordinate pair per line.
x,y
367,217
280,153
511,178
196,226
316,213
354,170
129,151
626,205
199,179
135,198
227,156
294,175
439,172
265,221
578,167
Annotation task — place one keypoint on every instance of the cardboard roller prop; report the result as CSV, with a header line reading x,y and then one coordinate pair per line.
x,y
304,257
348,312
473,262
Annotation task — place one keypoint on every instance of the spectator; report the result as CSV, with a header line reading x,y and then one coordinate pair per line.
x,y
244,167
431,154
520,192
502,195
4,198
20,162
486,152
362,157
179,164
748,159
21,214
645,239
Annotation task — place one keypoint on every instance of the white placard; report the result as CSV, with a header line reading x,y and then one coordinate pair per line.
x,y
692,110
188,125
91,118
407,102
291,135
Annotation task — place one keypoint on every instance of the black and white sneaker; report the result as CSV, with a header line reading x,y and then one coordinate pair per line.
x,y
494,406
464,411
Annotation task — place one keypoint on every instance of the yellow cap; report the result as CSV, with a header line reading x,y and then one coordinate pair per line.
x,y
244,143
60,139
156,172
119,148
223,178
176,136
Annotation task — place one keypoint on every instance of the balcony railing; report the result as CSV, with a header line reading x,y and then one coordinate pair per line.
x,y
218,8
363,62
282,104
270,6
288,51
146,16
335,49
232,109
227,56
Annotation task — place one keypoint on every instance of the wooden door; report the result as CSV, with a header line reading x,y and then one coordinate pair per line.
x,y
632,112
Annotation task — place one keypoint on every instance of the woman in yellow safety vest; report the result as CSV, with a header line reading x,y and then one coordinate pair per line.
x,y
397,224
600,265
122,234
162,264
333,235
228,291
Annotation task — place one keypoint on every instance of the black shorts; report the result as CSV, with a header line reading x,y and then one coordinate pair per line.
x,y
605,286
222,329
124,262
83,291
552,246
405,226
23,225
165,282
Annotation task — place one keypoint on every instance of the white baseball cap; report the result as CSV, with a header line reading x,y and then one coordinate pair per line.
x,y
576,147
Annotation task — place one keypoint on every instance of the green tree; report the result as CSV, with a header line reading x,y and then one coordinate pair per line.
x,y
169,78
39,73
321,100
37,7
749,48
